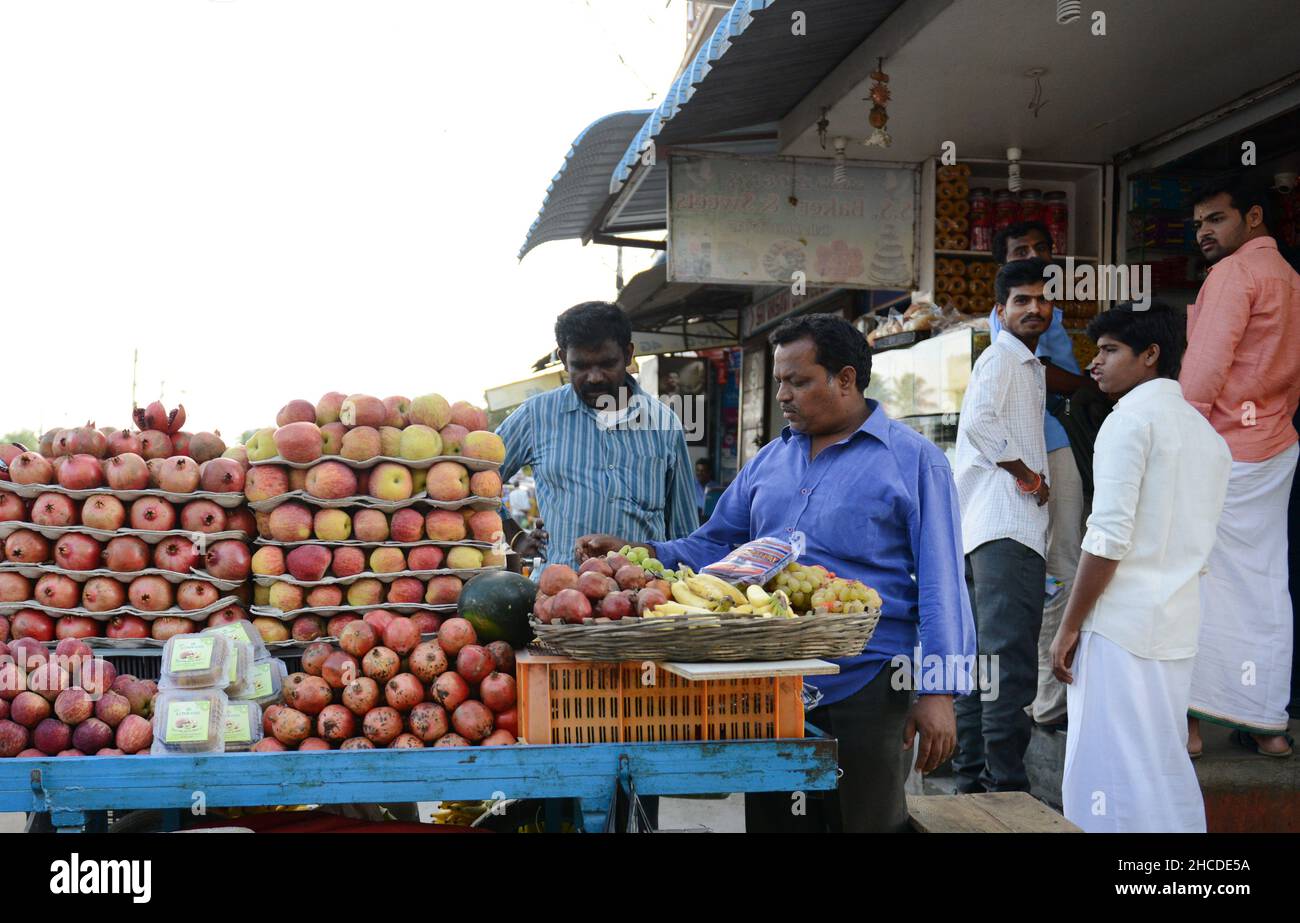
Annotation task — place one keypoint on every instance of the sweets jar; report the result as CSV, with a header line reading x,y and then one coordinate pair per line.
x,y
1031,205
1006,210
1056,215
981,220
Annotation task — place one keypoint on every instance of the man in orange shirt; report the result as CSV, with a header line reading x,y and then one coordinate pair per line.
x,y
1242,371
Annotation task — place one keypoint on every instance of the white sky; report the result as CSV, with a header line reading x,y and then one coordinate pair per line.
x,y
272,199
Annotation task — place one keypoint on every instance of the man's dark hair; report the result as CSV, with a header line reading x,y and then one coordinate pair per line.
x,y
1243,192
1018,272
1137,329
838,343
1019,229
590,324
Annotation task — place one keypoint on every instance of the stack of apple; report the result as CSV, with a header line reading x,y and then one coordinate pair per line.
x,y
70,703
381,685
353,490
116,540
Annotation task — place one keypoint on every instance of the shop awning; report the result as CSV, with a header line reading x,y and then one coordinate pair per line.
x,y
581,187
745,78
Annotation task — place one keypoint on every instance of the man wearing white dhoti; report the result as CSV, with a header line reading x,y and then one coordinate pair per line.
x,y
1127,640
1242,372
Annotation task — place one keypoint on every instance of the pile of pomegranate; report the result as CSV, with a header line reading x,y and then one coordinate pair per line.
x,y
381,685
67,702
364,504
108,532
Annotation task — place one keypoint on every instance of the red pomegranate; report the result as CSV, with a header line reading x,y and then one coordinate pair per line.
x,y
12,508
103,511
123,442
151,594
50,509
78,626
127,626
34,624
31,468
14,588
196,594
81,472
203,516
57,591
127,471
474,662
178,555
26,547
222,476
472,720
241,520
102,594
153,514
229,560
179,475
155,444
497,691
126,554
160,629
78,552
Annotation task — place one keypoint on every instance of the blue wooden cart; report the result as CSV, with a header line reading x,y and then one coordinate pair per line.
x,y
75,791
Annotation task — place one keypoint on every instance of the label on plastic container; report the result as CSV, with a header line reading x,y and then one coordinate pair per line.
x,y
232,668
190,654
263,681
187,722
237,729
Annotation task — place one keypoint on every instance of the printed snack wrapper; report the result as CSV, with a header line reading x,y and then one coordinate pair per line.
x,y
754,562
189,721
196,661
268,676
243,726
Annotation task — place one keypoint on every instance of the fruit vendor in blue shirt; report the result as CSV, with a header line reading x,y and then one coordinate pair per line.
x,y
876,502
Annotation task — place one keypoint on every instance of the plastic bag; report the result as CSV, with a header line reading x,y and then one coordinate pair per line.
x,y
755,562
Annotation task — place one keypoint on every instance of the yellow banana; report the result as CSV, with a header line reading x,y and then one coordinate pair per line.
x,y
743,610
722,586
678,609
682,593
757,596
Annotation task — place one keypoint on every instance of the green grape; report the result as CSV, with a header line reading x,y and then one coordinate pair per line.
x,y
625,551
653,564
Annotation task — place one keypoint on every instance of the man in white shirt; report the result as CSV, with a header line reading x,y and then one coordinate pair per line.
x,y
1001,460
1128,639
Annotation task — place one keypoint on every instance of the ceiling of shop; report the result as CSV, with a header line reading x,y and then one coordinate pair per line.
x,y
960,76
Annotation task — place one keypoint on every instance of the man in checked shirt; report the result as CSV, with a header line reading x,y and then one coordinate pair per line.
x,y
1002,486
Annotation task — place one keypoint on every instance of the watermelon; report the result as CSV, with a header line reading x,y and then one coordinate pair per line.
x,y
497,604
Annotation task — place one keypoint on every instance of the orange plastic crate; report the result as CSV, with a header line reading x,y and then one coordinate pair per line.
x,y
563,701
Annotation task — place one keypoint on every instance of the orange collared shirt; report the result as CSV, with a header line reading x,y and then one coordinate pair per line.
x,y
1242,366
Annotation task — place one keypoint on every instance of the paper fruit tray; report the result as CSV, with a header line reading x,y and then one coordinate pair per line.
x,y
30,491
356,543
54,533
196,614
326,611
713,638
465,573
374,503
473,464
36,571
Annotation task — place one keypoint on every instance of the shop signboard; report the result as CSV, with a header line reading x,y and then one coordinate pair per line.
x,y
763,221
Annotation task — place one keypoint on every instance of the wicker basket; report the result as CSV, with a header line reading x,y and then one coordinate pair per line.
x,y
712,638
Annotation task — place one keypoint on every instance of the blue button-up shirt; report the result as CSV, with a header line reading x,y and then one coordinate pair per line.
x,y
1056,347
880,507
633,479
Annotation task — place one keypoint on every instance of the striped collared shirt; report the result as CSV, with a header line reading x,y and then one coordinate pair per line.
x,y
632,479
1001,421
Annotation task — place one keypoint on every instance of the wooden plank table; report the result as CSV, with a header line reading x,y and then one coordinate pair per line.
x,y
992,812
71,788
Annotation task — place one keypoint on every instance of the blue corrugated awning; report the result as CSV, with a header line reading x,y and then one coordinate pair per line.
x,y
581,187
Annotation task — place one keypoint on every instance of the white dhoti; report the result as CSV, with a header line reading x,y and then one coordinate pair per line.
x,y
1242,676
1126,763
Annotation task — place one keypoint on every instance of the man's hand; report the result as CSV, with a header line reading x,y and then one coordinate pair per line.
x,y
597,545
1064,645
532,544
1042,493
933,717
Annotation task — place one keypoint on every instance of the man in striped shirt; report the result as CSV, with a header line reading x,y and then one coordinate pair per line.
x,y
606,456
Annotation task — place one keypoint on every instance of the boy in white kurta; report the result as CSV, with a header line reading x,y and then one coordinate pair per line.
x,y
1128,638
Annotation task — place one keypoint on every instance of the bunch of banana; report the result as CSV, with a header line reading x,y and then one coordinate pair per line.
x,y
705,594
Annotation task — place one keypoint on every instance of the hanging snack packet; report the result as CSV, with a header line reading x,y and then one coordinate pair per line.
x,y
754,562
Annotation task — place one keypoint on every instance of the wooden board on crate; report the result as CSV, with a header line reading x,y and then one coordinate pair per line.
x,y
564,701
992,812
705,671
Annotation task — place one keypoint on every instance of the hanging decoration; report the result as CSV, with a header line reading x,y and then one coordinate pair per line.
x,y
878,117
